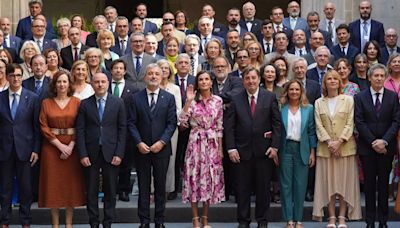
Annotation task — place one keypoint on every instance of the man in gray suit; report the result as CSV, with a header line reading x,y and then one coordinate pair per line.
x,y
137,60
192,46
330,23
294,21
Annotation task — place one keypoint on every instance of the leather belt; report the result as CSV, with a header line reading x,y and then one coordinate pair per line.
x,y
63,131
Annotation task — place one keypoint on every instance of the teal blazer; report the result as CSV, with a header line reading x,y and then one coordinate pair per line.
x,y
308,138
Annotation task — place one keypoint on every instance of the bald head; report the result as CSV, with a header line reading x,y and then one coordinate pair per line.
x,y
329,10
100,84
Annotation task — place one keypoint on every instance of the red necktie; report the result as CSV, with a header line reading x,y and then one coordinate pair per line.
x,y
76,58
253,106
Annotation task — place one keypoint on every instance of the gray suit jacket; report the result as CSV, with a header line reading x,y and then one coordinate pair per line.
x,y
289,57
301,23
323,25
131,70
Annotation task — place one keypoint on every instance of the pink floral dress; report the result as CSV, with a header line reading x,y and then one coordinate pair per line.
x,y
203,175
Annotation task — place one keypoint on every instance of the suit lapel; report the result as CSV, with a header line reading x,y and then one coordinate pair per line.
x,y
22,103
93,105
304,115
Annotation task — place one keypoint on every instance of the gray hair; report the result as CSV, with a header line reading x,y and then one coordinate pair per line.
x,y
151,66
99,17
181,56
192,36
377,66
298,60
320,49
24,46
63,20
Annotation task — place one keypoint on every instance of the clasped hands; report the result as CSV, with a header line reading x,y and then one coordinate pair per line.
x,y
271,152
155,148
66,150
334,147
379,146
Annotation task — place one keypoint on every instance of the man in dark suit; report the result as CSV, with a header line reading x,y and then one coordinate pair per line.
x,y
267,36
294,21
24,25
313,26
192,46
101,136
121,46
233,18
377,117
136,60
365,29
152,121
167,30
232,42
312,87
99,23
321,56
205,27
12,51
10,41
344,49
242,59
253,130
141,12
277,19
75,51
38,35
390,45
20,135
249,21
124,89
208,11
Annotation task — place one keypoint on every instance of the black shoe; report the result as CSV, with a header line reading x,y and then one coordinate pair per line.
x,y
172,196
262,225
370,225
123,196
309,197
383,225
243,225
144,225
159,225
94,225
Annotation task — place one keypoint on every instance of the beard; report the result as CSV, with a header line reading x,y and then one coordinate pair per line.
x,y
233,22
365,16
294,14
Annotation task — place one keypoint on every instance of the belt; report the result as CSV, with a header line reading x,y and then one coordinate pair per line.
x,y
63,131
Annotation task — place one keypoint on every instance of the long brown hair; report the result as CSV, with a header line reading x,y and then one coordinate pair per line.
x,y
284,99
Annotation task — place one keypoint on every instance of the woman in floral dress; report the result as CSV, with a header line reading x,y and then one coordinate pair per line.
x,y
203,179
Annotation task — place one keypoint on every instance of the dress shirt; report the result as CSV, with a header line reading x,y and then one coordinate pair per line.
x,y
249,23
184,82
104,100
134,59
11,97
156,92
346,48
125,43
362,29
293,22
389,49
221,84
7,40
373,93
297,51
79,46
294,126
121,86
113,26
41,42
255,96
276,27
203,45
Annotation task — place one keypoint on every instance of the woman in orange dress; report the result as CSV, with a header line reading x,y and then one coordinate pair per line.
x,y
61,176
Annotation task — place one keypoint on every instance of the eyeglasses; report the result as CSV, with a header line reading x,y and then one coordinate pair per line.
x,y
168,19
137,41
242,57
219,66
38,26
15,75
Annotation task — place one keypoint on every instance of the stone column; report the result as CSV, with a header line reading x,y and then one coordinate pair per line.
x,y
15,10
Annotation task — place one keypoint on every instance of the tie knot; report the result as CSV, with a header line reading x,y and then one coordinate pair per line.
x,y
14,95
152,94
123,41
138,57
330,22
182,80
252,97
377,94
116,82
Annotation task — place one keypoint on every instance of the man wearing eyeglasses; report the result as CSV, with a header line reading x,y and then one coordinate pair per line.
x,y
19,125
38,35
168,17
122,46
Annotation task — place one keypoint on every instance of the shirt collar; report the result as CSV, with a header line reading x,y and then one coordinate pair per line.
x,y
373,92
79,46
120,81
254,94
104,97
156,92
18,92
134,55
368,21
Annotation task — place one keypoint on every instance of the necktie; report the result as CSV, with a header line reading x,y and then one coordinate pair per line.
x,y
5,42
192,65
76,56
344,50
116,89
182,87
391,51
377,103
320,80
111,27
220,87
14,106
330,30
253,106
300,52
39,43
204,43
267,51
278,28
364,35
38,86
138,65
101,108
152,103
123,47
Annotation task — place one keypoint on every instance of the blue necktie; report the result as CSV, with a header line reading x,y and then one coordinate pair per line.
x,y
38,86
14,106
138,65
101,108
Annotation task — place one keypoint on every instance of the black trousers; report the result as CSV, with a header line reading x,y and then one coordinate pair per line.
x,y
255,172
22,169
109,173
124,176
146,165
377,168
183,139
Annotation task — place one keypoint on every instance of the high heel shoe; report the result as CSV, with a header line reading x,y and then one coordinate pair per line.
x,y
330,224
342,225
205,222
299,225
196,222
290,224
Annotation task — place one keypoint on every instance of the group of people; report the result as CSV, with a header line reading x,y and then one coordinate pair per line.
x,y
286,109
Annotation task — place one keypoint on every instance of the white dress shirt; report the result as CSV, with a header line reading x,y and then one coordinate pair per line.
x,y
294,126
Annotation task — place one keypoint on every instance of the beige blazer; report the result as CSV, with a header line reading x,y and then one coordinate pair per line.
x,y
340,125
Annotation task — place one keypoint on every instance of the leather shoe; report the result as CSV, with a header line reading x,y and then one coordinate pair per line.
x,y
25,226
383,225
370,225
262,225
144,225
159,225
243,225
172,196
309,197
94,225
124,196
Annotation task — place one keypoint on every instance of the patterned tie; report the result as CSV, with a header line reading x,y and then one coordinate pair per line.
x,y
138,65
38,86
364,35
377,104
278,28
39,43
253,106
111,27
182,87
204,44
76,56
152,103
14,106
330,30
5,42
101,108
320,80
192,65
220,87
123,47
116,89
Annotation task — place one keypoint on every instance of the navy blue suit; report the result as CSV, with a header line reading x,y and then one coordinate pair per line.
x,y
24,29
46,44
19,138
15,42
313,75
352,51
91,40
255,28
117,47
372,125
225,30
377,33
150,27
43,93
101,140
385,54
150,127
313,91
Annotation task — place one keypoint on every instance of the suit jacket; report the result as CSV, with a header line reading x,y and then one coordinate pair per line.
x,y
385,54
22,133
212,37
313,91
131,70
247,134
338,126
150,128
68,58
46,44
312,74
191,80
292,50
324,26
371,125
326,34
15,42
24,29
255,28
111,130
232,86
149,27
44,91
225,29
308,137
13,53
91,40
301,23
117,47
352,51
377,33
234,74
229,57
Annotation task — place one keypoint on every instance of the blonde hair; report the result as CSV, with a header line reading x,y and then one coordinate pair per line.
x,y
76,64
336,76
284,99
105,33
